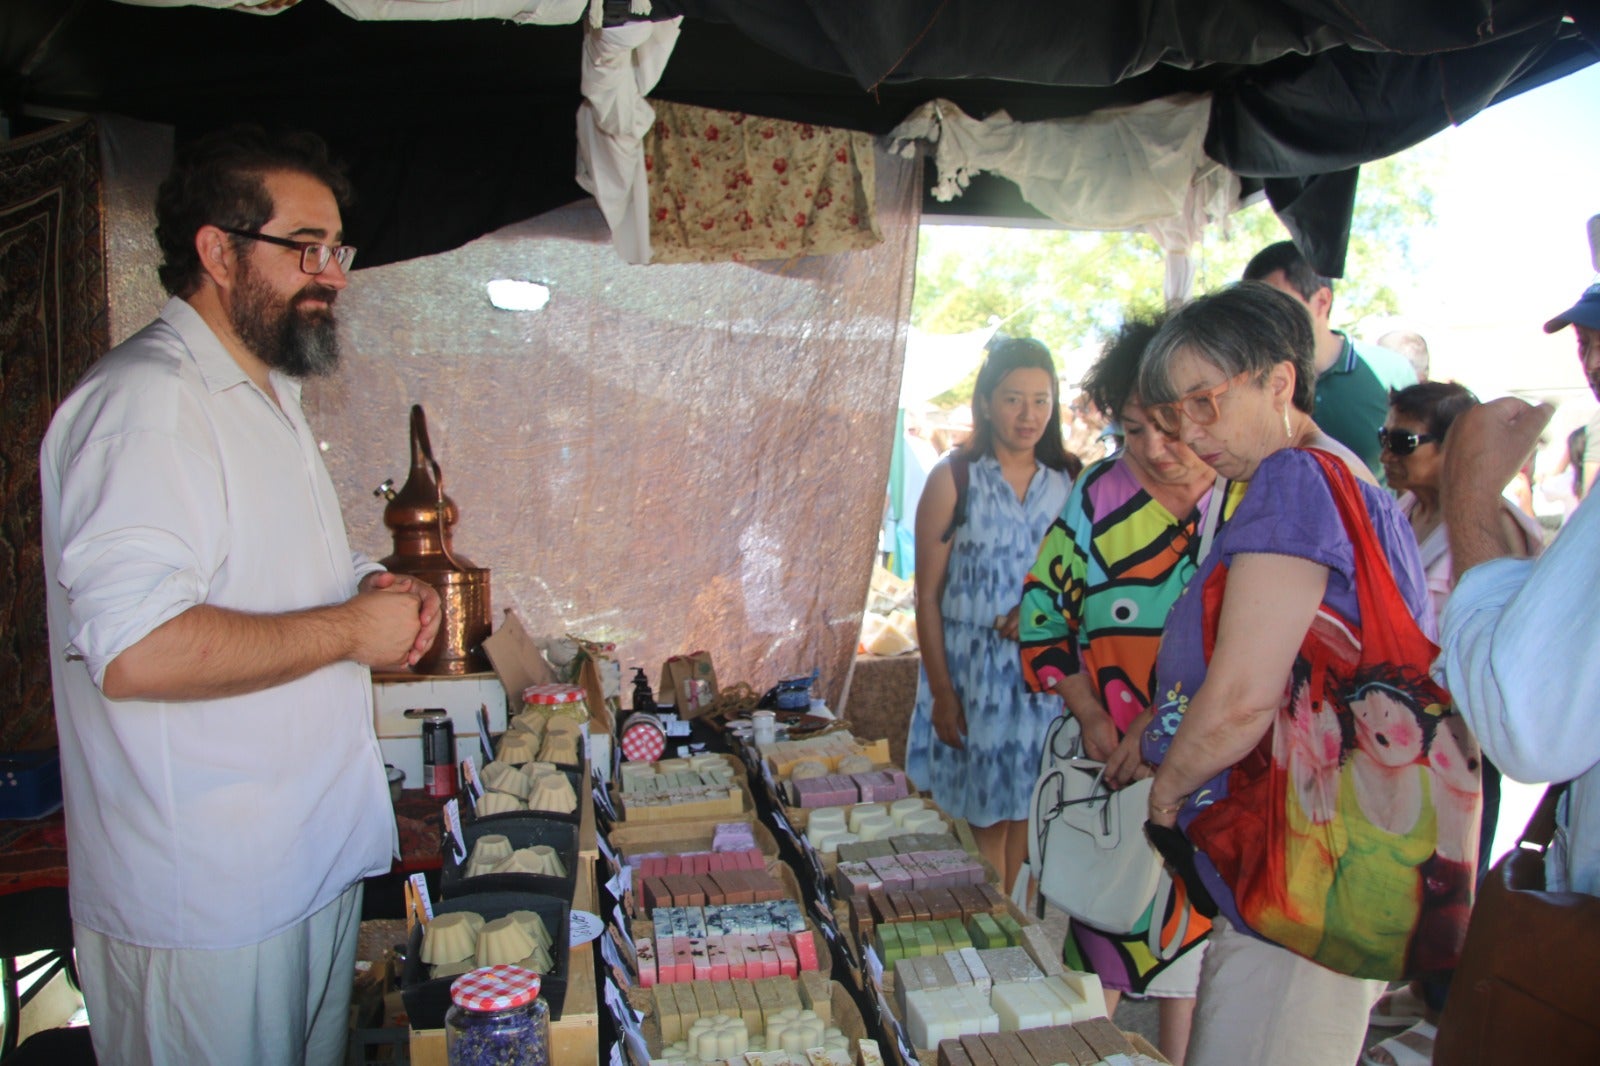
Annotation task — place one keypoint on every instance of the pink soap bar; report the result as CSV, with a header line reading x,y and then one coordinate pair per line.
x,y
645,952
805,949
788,966
717,954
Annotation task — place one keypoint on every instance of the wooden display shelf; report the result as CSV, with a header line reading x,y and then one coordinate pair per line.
x,y
576,1036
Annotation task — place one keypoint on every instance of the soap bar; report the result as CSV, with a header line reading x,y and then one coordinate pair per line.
x,y
1027,1005
1009,964
1103,1037
1082,992
978,971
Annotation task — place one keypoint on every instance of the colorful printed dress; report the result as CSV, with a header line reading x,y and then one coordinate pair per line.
x,y
1096,601
991,779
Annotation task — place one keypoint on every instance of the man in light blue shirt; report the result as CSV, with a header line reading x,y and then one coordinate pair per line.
x,y
1518,638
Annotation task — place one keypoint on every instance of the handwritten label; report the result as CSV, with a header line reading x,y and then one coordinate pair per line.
x,y
584,927
469,774
602,796
620,922
420,883
452,828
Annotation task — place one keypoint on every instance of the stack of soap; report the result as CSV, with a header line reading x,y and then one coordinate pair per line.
x,y
729,884
911,940
1066,999
995,931
1083,1044
696,862
679,1006
937,1014
743,941
733,836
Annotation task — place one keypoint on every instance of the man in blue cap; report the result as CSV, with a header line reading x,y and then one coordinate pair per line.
x,y
1584,318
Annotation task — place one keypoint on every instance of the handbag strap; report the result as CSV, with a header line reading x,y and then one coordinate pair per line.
x,y
1213,518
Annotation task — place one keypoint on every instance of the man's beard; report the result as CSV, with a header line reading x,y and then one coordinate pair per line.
x,y
299,343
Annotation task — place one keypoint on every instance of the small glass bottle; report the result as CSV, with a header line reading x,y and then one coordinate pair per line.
x,y
497,1019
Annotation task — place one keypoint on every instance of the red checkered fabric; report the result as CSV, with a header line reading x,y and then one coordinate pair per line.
x,y
495,988
547,695
643,741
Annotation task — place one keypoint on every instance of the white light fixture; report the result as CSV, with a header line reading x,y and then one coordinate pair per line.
x,y
509,294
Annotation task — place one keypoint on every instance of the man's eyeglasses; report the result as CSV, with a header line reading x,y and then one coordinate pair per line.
x,y
314,257
1199,407
1403,441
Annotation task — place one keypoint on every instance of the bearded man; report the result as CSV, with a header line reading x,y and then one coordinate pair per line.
x,y
212,632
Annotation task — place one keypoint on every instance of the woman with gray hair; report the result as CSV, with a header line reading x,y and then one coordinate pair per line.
x,y
1230,375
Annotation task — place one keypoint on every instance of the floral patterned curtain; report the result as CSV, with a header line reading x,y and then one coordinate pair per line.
x,y
726,186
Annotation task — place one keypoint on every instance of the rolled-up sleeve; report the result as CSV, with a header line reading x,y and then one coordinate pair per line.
x,y
1519,654
142,533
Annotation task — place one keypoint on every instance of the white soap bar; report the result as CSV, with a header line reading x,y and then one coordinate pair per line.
x,y
958,968
978,971
935,1014
866,810
923,821
975,1005
902,807
1082,992
873,827
1025,1005
835,839
826,819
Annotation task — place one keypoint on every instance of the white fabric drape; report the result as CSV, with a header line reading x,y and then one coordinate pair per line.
x,y
534,12
1137,167
621,64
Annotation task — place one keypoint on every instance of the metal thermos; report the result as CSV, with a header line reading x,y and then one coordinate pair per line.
x,y
438,754
420,515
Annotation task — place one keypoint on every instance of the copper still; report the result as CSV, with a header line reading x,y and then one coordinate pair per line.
x,y
420,516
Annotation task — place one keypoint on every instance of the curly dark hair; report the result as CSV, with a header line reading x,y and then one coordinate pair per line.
x,y
219,180
1397,683
1113,379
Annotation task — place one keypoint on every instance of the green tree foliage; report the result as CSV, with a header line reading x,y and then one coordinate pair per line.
x,y
1070,288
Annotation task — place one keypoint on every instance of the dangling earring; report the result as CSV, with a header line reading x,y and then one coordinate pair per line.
x,y
1288,430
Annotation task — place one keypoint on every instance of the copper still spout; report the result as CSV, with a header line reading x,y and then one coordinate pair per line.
x,y
420,516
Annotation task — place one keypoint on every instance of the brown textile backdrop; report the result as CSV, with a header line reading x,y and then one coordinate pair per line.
x,y
52,326
671,457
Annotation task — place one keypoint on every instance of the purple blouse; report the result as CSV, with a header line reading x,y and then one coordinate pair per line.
x,y
1287,510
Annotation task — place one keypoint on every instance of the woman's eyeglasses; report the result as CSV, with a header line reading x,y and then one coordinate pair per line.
x,y
1403,441
1199,407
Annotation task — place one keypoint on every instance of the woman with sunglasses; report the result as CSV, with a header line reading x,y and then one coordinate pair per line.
x,y
976,732
1230,375
1413,459
1413,443
1092,610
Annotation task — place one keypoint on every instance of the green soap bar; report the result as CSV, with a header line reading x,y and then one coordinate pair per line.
x,y
985,932
941,936
888,941
1012,930
925,941
957,933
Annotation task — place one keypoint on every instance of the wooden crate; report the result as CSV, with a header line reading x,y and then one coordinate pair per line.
x,y
576,1036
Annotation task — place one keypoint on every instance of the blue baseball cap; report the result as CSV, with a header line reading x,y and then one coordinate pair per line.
x,y
1586,312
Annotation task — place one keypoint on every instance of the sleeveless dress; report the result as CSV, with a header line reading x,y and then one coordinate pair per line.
x,y
991,779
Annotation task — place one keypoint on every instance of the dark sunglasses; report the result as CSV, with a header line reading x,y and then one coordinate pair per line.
x,y
1403,441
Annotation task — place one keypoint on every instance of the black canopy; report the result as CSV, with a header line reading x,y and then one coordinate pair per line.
x,y
453,129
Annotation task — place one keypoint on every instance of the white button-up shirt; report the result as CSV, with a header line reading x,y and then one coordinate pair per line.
x,y
171,480
1518,644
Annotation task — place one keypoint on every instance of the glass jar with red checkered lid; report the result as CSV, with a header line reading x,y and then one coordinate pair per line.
x,y
497,1019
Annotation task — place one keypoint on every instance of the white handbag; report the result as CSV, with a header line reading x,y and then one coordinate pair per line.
x,y
1087,847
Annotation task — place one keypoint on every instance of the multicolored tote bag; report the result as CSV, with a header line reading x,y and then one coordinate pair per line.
x,y
1349,835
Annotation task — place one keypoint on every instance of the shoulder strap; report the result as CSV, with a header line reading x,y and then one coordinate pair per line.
x,y
1208,527
961,470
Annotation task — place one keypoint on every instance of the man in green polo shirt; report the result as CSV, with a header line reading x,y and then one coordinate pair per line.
x,y
1352,397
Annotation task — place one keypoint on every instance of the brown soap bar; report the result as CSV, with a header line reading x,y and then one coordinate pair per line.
x,y
1104,1037
972,1044
1006,1049
942,906
1044,1049
883,911
992,899
1070,1046
952,1054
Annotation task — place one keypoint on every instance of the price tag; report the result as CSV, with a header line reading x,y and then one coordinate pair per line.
x,y
604,843
483,736
583,927
420,883
874,966
620,883
452,829
469,774
613,957
620,920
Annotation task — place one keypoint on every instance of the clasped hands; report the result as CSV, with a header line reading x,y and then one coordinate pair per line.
x,y
400,619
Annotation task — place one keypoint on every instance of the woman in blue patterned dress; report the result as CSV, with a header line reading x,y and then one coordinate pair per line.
x,y
976,733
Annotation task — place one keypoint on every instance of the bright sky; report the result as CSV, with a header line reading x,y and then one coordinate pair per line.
x,y
1510,248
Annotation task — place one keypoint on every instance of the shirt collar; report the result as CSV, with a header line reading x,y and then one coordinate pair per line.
x,y
218,368
1346,361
